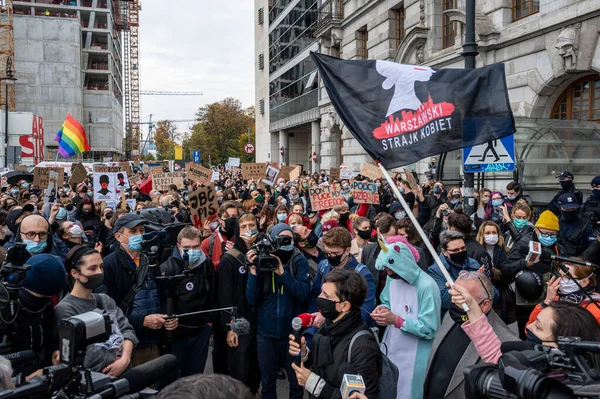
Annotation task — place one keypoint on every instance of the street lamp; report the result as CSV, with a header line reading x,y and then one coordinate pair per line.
x,y
8,79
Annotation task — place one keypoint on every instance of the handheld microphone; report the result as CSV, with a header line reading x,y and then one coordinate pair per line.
x,y
351,382
20,357
299,323
536,252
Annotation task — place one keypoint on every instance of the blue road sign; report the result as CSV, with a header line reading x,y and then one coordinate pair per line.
x,y
494,156
196,156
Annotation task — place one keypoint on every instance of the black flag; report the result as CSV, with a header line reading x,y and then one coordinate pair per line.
x,y
403,113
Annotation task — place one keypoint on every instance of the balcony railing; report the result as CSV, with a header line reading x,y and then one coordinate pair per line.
x,y
328,11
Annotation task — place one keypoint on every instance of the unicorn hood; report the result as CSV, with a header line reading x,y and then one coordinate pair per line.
x,y
400,257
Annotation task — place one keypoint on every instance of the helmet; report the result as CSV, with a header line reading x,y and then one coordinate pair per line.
x,y
529,284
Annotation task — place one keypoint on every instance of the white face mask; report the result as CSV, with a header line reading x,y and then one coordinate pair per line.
x,y
568,286
76,231
491,239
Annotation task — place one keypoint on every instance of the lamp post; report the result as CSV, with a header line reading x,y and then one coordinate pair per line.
x,y
8,80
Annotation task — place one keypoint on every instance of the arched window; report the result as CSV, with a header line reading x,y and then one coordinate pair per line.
x,y
581,100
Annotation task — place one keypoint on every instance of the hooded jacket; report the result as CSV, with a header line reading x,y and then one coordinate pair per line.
x,y
88,221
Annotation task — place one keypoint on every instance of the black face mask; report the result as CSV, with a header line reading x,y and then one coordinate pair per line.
x,y
86,211
327,308
364,234
230,227
109,215
344,218
335,261
285,256
596,192
458,258
458,315
566,184
568,216
32,302
311,240
94,281
531,337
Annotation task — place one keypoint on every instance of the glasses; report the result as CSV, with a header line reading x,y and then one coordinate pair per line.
x,y
30,235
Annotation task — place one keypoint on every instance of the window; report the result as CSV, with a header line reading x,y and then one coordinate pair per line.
x,y
261,16
400,16
363,50
580,101
261,61
261,107
448,28
524,8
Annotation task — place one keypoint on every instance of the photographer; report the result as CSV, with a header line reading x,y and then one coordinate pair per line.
x,y
195,291
85,270
33,327
280,296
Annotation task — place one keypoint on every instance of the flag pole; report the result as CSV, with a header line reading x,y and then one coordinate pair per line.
x,y
418,227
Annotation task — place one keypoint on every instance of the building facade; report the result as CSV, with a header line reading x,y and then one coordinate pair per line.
x,y
551,54
68,58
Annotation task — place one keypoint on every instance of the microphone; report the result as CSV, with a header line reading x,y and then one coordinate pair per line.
x,y
351,382
299,323
20,357
536,252
146,374
306,318
240,326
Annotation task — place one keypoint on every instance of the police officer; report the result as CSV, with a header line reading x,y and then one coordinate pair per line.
x,y
592,204
575,233
194,292
567,184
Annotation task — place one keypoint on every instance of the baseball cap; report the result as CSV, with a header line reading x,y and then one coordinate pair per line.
x,y
128,221
13,215
568,201
565,175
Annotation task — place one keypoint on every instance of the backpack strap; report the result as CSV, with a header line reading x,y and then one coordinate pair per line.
x,y
237,255
359,267
211,245
354,337
138,282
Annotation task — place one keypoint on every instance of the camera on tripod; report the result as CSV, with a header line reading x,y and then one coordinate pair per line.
x,y
524,374
161,234
264,248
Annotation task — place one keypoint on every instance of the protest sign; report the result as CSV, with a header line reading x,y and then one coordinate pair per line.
x,y
285,171
21,168
254,171
78,174
203,204
162,181
365,193
334,174
270,175
125,167
41,177
324,197
122,182
233,162
155,170
295,174
345,173
371,171
198,173
105,188
107,169
50,196
215,176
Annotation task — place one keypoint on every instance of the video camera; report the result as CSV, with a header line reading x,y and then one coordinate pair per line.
x,y
161,233
524,374
264,248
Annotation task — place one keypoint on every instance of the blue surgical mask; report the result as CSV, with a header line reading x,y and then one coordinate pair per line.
x,y
34,247
281,217
89,193
62,213
378,184
25,185
135,243
547,240
194,255
66,190
520,223
186,198
497,202
287,247
14,191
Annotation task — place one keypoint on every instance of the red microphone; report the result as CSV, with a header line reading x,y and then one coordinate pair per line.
x,y
299,323
307,319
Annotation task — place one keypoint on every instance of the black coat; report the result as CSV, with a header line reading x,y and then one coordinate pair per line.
x,y
515,262
592,254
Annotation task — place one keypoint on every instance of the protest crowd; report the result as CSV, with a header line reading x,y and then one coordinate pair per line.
x,y
258,246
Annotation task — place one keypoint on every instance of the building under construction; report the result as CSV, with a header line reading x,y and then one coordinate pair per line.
x,y
77,56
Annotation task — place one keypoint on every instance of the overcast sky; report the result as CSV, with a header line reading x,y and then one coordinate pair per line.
x,y
195,45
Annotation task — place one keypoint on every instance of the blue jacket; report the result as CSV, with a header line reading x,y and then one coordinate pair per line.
x,y
279,298
369,304
470,265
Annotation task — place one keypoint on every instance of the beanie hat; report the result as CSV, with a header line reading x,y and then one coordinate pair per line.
x,y
277,229
547,220
46,276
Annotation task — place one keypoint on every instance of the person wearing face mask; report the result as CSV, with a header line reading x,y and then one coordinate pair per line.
x,y
514,194
454,258
306,241
85,270
71,234
34,231
567,184
34,326
345,190
129,281
545,232
430,205
279,296
195,292
87,216
409,312
518,226
361,227
575,233
340,301
82,194
592,203
14,191
222,239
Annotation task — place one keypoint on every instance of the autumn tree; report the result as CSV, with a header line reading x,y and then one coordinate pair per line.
x,y
165,136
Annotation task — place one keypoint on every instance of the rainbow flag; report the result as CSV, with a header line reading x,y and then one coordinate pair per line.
x,y
71,138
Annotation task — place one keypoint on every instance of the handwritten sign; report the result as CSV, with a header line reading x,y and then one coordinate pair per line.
x,y
324,197
162,181
233,162
21,168
126,167
203,204
107,169
254,171
295,174
156,170
215,176
365,193
334,174
41,177
345,173
198,173
371,171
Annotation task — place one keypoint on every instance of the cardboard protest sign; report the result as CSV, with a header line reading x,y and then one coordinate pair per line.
x,y
125,167
41,177
254,171
324,197
203,205
105,188
345,173
334,174
50,196
295,174
155,170
365,193
78,174
233,162
215,176
270,175
371,171
162,181
198,173
21,168
107,169
285,171
122,182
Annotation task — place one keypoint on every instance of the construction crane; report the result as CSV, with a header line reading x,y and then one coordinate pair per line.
x,y
7,51
151,124
170,93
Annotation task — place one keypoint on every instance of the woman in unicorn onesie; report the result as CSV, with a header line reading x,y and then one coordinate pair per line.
x,y
410,308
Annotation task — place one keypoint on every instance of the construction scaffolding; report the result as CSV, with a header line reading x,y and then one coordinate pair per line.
x,y
7,50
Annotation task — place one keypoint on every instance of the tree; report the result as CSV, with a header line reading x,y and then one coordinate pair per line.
x,y
165,136
220,132
148,158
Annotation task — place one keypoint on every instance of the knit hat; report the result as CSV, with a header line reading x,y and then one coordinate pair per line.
x,y
46,276
328,225
277,229
547,220
395,206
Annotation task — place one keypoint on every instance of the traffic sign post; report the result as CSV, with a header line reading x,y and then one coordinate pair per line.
x,y
196,156
494,156
249,148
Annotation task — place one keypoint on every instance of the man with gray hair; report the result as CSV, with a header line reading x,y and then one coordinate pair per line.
x,y
463,336
5,374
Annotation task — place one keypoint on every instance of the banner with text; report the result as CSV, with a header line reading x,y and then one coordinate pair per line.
x,y
203,204
365,193
162,181
41,177
324,197
198,173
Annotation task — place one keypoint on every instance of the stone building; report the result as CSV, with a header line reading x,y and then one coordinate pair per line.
x,y
551,54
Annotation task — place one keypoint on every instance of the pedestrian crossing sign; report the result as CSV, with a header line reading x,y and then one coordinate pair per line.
x,y
494,156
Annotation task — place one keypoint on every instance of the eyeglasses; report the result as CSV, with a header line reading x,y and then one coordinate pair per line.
x,y
30,235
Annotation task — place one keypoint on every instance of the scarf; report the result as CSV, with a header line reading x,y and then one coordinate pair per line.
x,y
578,297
